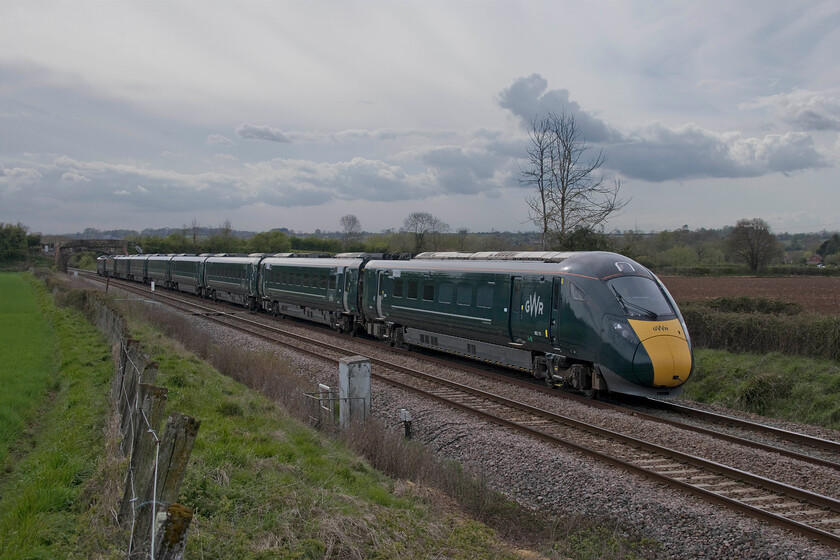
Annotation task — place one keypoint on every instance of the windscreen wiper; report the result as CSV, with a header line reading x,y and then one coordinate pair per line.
x,y
625,304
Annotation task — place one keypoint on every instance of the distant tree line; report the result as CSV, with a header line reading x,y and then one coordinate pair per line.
x,y
749,245
16,242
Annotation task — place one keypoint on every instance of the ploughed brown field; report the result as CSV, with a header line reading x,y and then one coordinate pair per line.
x,y
816,294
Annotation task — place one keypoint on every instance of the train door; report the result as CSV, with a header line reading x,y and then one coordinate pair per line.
x,y
530,309
554,320
380,291
516,308
345,289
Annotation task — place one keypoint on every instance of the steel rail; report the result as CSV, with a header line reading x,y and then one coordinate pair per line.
x,y
788,435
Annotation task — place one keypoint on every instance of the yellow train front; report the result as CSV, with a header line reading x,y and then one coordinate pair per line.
x,y
645,348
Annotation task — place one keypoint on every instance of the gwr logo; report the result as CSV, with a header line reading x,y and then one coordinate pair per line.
x,y
534,306
660,328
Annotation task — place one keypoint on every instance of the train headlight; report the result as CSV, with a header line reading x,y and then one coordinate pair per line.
x,y
622,330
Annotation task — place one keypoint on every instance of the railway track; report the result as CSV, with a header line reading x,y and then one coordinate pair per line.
x,y
802,511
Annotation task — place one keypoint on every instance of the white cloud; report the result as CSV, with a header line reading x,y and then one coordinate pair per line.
x,y
74,177
261,132
219,140
803,110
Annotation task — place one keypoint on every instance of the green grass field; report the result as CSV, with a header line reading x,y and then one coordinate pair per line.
x,y
55,370
27,365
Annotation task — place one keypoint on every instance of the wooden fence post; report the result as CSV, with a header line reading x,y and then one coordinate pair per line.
x,y
171,537
134,367
175,448
141,470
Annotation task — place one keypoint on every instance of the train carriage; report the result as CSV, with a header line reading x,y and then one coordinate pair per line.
x,y
111,265
323,290
159,270
187,273
122,266
137,268
592,320
232,279
102,265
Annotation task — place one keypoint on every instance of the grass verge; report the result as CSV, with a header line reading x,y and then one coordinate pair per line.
x,y
263,485
794,388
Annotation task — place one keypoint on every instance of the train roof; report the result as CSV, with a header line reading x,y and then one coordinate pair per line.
x,y
537,256
234,260
591,264
312,262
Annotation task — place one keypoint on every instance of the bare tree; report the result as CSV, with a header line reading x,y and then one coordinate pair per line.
x,y
571,193
463,233
536,174
422,225
194,228
752,243
351,228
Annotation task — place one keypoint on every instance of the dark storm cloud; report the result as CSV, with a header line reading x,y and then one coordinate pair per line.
x,y
261,132
528,99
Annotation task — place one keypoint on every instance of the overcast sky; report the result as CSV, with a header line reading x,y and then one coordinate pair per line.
x,y
292,114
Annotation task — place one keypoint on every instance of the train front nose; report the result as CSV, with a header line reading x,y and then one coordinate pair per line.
x,y
663,357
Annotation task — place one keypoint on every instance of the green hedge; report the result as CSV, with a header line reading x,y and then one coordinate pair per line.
x,y
780,270
757,325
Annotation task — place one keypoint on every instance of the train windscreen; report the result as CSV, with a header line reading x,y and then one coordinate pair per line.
x,y
640,297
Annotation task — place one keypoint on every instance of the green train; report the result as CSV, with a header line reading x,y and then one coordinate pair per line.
x,y
592,321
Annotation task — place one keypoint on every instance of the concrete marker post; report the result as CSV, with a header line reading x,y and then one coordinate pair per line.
x,y
353,389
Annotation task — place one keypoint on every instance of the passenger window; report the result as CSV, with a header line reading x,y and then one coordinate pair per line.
x,y
484,297
445,292
464,294
332,282
323,282
413,287
398,287
428,291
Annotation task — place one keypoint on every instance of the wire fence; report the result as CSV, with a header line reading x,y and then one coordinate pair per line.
x,y
157,459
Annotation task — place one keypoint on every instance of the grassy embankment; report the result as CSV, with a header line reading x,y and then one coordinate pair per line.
x,y
262,485
766,357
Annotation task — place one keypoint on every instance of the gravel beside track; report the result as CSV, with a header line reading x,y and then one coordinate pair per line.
x,y
541,476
